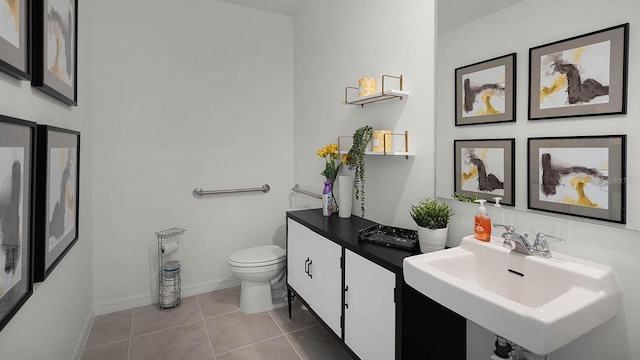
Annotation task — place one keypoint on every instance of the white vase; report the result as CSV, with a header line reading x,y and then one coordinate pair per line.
x,y
345,196
432,240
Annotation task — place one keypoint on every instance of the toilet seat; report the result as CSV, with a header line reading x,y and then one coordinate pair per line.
x,y
258,256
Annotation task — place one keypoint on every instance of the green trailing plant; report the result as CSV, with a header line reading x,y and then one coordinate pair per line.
x,y
355,161
431,213
464,198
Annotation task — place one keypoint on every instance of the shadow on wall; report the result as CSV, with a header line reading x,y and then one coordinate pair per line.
x,y
279,237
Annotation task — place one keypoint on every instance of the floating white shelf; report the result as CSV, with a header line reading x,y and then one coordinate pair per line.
x,y
389,153
380,96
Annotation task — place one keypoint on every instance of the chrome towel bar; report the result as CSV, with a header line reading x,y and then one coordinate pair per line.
x,y
297,189
197,192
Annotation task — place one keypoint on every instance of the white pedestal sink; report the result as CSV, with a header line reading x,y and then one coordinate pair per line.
x,y
540,304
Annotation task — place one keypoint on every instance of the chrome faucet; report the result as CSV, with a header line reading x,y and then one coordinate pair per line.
x,y
520,243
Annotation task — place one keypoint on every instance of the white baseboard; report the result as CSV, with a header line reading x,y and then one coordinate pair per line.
x,y
86,330
135,301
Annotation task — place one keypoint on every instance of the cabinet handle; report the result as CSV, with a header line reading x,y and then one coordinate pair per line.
x,y
306,268
346,304
309,273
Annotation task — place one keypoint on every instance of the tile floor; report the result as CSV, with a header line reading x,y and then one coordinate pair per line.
x,y
210,327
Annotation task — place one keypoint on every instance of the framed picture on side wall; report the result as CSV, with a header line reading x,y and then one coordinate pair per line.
x,y
485,168
582,76
57,197
486,91
580,176
55,49
17,169
14,38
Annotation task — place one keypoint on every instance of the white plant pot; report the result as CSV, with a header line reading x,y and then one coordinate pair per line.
x,y
432,240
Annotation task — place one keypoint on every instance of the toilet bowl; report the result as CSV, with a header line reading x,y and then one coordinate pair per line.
x,y
257,267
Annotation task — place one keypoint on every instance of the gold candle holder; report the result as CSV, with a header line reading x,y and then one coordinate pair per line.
x,y
367,86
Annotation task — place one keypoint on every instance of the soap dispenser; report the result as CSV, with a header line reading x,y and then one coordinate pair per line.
x,y
482,223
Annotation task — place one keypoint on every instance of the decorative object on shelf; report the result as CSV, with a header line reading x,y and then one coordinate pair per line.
x,y
345,189
465,198
485,168
347,141
14,39
57,197
581,176
367,86
389,236
55,49
385,94
580,76
432,218
355,161
330,154
382,141
17,154
486,91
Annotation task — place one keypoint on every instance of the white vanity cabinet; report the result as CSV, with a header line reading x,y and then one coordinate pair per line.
x,y
313,270
369,308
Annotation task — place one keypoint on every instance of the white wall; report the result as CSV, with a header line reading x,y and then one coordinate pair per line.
x,y
338,42
61,308
524,25
192,95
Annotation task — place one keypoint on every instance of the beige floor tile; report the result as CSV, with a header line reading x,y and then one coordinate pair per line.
x,y
236,329
273,349
149,318
316,343
115,351
185,342
220,301
299,318
110,328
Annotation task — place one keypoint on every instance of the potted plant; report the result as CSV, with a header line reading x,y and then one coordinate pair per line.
x,y
432,217
355,161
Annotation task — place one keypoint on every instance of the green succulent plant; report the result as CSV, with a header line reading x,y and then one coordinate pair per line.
x,y
431,213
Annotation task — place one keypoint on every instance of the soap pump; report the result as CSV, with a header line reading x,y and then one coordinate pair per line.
x,y
482,223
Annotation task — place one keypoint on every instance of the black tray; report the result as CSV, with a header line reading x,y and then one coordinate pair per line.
x,y
390,236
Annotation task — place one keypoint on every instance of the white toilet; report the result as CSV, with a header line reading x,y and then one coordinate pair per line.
x,y
258,267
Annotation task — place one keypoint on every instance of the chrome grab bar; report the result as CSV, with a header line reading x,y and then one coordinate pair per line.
x,y
297,189
197,192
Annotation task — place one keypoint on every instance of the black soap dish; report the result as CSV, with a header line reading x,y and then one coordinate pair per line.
x,y
391,237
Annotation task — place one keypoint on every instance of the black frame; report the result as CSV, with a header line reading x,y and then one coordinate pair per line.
x,y
615,178
43,78
46,258
618,37
509,61
12,131
509,166
16,61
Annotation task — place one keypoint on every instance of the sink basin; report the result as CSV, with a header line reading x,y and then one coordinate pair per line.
x,y
539,304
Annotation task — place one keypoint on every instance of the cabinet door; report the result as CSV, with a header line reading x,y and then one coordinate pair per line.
x,y
325,287
370,310
298,240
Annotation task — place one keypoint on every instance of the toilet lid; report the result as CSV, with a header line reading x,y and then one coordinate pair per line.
x,y
263,255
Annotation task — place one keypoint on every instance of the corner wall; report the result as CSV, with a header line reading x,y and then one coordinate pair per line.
x,y
51,323
338,42
522,26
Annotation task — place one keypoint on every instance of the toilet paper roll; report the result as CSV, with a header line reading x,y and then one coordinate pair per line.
x,y
170,246
345,196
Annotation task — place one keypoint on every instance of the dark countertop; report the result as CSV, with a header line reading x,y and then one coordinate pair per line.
x,y
344,232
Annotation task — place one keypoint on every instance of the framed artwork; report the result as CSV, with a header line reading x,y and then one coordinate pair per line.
x,y
57,200
17,169
14,38
55,49
486,91
581,176
485,168
581,76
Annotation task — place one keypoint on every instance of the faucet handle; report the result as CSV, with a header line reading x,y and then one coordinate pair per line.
x,y
541,243
509,228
